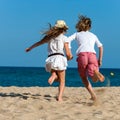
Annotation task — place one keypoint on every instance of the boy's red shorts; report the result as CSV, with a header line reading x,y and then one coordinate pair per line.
x,y
87,63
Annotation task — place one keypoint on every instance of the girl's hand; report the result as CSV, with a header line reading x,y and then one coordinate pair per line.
x,y
69,57
27,49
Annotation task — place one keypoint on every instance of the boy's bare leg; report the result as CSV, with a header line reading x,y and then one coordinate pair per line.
x,y
98,76
89,88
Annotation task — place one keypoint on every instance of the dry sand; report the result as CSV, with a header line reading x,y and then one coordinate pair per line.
x,y
39,103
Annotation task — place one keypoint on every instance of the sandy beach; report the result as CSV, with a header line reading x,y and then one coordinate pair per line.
x,y
39,103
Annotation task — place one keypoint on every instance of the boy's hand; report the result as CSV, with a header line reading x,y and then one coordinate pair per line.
x,y
100,62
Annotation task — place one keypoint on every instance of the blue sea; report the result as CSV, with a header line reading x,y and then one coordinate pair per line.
x,y
37,76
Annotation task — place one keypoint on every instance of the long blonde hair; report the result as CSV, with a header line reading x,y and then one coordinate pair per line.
x,y
52,33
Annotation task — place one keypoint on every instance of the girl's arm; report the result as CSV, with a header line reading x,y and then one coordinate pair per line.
x,y
34,45
68,51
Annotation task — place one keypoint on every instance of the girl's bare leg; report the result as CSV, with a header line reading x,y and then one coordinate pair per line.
x,y
53,77
89,88
61,75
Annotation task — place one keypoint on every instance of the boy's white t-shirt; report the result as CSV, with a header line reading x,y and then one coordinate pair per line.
x,y
86,41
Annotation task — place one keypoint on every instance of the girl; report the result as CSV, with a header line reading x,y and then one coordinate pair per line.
x,y
56,62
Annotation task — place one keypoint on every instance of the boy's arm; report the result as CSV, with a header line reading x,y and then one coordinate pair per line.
x,y
100,55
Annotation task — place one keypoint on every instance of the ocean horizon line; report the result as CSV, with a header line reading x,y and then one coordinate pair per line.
x,y
44,67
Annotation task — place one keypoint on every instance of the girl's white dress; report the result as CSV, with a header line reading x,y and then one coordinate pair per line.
x,y
56,62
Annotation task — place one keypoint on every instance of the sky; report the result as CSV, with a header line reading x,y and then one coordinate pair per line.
x,y
21,22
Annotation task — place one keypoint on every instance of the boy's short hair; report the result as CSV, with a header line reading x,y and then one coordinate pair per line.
x,y
83,24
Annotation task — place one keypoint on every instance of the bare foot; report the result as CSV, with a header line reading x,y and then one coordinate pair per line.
x,y
93,98
52,79
59,99
98,76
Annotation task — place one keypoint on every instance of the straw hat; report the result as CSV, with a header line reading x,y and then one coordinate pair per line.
x,y
60,24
